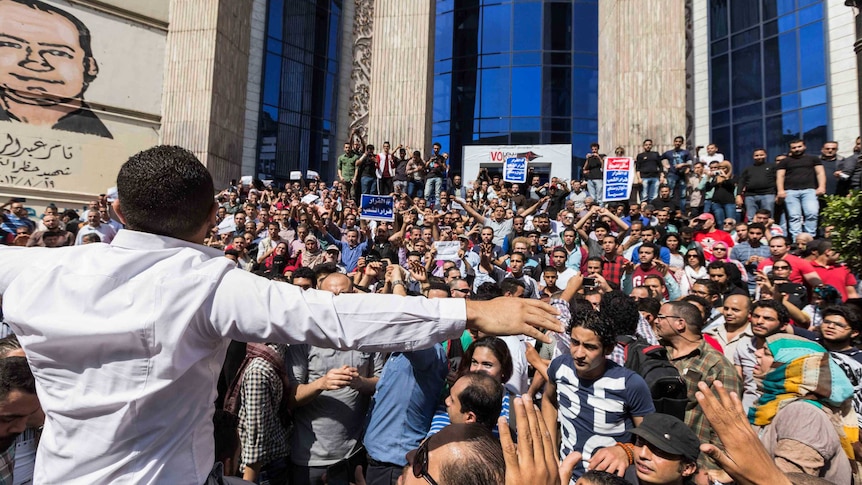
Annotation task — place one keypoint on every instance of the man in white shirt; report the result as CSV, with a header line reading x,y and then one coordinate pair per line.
x,y
127,382
94,226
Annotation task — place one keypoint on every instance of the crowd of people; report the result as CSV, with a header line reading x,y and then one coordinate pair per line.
x,y
706,318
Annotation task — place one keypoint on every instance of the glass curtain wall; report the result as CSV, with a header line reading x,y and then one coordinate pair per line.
x,y
299,92
768,76
515,72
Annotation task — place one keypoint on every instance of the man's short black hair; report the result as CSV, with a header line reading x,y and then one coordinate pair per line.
x,y
776,306
621,311
15,375
165,190
847,312
483,396
303,272
511,285
487,291
595,322
650,305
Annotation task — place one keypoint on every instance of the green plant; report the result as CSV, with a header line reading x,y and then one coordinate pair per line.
x,y
845,215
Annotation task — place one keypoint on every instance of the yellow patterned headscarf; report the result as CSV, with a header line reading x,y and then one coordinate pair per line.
x,y
807,372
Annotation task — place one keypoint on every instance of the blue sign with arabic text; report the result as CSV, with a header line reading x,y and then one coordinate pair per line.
x,y
515,170
377,207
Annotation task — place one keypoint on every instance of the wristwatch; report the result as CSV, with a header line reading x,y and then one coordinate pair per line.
x,y
398,282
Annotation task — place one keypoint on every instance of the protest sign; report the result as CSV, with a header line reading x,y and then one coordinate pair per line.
x,y
310,198
618,178
312,175
296,175
447,250
228,225
377,208
515,170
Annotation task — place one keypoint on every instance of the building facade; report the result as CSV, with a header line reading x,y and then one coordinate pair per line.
x,y
270,87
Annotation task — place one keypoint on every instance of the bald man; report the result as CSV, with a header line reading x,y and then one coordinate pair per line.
x,y
330,393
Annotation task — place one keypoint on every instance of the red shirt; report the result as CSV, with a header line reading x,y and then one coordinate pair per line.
x,y
639,276
838,276
798,267
708,239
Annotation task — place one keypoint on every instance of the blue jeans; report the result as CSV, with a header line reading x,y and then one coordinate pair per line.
x,y
676,184
802,205
368,185
433,186
594,187
722,212
754,203
415,188
650,189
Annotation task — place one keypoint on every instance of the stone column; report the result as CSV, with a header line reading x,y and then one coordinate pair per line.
x,y
401,78
642,73
206,72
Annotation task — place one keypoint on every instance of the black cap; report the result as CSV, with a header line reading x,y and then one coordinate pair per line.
x,y
669,434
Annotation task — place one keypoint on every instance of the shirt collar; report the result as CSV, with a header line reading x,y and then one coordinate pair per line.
x,y
129,239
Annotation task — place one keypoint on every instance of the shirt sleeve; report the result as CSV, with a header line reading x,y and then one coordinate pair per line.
x,y
258,399
246,307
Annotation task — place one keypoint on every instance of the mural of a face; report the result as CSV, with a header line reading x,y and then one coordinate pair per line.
x,y
43,64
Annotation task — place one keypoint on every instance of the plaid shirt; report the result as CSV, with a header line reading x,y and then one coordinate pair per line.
x,y
704,364
612,269
263,437
7,465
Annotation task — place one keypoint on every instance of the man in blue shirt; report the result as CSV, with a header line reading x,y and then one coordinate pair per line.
x,y
677,162
351,250
401,410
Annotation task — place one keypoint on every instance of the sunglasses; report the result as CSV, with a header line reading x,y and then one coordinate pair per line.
x,y
420,463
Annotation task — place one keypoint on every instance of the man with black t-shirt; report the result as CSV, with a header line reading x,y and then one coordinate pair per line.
x,y
757,185
800,179
593,172
649,169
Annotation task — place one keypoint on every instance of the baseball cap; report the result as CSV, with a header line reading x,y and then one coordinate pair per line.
x,y
332,248
669,434
705,217
463,236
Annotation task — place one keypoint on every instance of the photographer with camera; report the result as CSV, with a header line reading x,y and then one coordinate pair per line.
x,y
366,171
723,197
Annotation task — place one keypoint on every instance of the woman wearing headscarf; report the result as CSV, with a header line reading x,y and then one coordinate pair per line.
x,y
312,254
805,411
723,187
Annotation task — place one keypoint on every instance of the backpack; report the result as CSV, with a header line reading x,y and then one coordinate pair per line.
x,y
667,387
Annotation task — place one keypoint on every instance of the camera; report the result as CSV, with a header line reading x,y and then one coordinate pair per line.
x,y
589,282
716,173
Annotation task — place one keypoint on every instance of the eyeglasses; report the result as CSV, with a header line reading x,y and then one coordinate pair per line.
x,y
719,249
466,291
420,463
691,255
842,326
665,317
780,268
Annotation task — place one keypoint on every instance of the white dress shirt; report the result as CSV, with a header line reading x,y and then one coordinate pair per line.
x,y
128,380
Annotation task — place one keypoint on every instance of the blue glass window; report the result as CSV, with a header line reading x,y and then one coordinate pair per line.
x,y
496,26
443,32
811,49
527,91
495,93
527,34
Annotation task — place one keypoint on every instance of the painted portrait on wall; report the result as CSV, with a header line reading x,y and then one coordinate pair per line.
x,y
46,66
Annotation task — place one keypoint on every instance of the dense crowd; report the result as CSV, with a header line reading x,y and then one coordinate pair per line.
x,y
703,277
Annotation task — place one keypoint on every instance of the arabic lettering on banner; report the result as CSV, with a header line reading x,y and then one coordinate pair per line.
x,y
618,178
36,162
377,208
515,170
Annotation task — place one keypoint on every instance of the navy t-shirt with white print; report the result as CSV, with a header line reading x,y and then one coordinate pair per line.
x,y
598,413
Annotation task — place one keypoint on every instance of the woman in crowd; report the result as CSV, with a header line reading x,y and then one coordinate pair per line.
x,y
278,263
805,412
489,355
312,254
694,269
720,252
